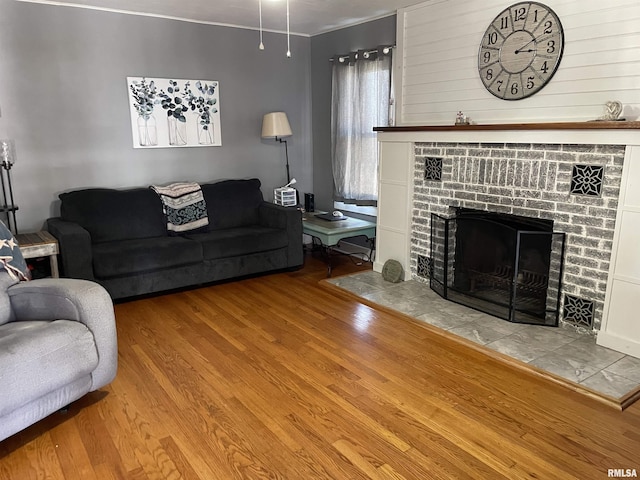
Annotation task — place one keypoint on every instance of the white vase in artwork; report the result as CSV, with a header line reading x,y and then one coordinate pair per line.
x,y
147,131
205,134
177,131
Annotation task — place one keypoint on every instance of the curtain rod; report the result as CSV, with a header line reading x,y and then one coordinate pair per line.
x,y
375,50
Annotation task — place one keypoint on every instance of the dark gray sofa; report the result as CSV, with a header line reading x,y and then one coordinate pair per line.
x,y
119,238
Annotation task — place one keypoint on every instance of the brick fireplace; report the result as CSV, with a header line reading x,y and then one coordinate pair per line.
x,y
582,176
574,185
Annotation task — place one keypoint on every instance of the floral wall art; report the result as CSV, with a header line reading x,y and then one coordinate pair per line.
x,y
174,113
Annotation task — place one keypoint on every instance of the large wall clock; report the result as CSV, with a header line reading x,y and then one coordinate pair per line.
x,y
521,50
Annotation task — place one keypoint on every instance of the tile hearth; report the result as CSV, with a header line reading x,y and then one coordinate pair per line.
x,y
561,351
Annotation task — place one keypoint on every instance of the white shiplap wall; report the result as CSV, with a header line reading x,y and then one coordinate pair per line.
x,y
437,73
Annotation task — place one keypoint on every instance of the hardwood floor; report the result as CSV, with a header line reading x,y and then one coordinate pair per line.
x,y
277,378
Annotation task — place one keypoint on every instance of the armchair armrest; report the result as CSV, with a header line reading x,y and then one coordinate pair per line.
x,y
290,219
74,243
78,300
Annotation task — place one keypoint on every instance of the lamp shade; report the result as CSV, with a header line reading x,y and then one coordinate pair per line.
x,y
275,124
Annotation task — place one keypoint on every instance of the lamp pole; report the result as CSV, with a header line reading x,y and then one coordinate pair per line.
x,y
7,158
286,156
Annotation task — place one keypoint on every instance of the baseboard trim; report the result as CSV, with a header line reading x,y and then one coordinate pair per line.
x,y
614,342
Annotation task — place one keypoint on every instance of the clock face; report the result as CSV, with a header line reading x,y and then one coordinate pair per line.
x,y
521,50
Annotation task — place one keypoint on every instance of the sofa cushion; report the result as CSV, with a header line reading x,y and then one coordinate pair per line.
x,y
37,357
232,203
240,241
127,257
110,214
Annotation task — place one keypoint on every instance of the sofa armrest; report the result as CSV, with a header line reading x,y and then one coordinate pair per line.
x,y
78,300
290,219
74,243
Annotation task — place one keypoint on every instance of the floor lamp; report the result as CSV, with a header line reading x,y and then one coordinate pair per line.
x,y
7,159
276,125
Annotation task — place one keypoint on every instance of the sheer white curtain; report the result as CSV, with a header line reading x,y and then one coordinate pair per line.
x,y
359,102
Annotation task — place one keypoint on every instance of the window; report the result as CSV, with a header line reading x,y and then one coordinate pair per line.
x,y
361,85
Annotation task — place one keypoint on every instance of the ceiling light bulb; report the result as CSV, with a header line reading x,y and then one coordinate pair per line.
x,y
288,33
261,46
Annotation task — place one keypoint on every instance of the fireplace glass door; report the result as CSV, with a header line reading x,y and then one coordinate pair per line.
x,y
504,265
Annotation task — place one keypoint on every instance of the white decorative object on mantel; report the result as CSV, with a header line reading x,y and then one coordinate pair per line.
x,y
462,119
612,111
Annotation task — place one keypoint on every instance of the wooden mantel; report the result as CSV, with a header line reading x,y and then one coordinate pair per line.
x,y
595,125
587,133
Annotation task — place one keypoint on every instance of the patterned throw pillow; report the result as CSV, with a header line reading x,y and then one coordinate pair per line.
x,y
11,258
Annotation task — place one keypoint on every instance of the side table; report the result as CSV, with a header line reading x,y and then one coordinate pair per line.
x,y
330,233
40,244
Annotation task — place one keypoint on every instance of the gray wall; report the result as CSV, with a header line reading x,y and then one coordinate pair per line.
x,y
64,100
323,47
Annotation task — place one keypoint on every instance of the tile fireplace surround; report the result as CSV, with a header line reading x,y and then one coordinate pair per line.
x,y
570,173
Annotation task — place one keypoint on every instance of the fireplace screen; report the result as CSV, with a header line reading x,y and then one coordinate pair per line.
x,y
504,265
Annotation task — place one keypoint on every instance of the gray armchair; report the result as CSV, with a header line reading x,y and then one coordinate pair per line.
x,y
57,343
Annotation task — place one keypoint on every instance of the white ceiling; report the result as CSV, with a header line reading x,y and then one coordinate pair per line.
x,y
307,17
